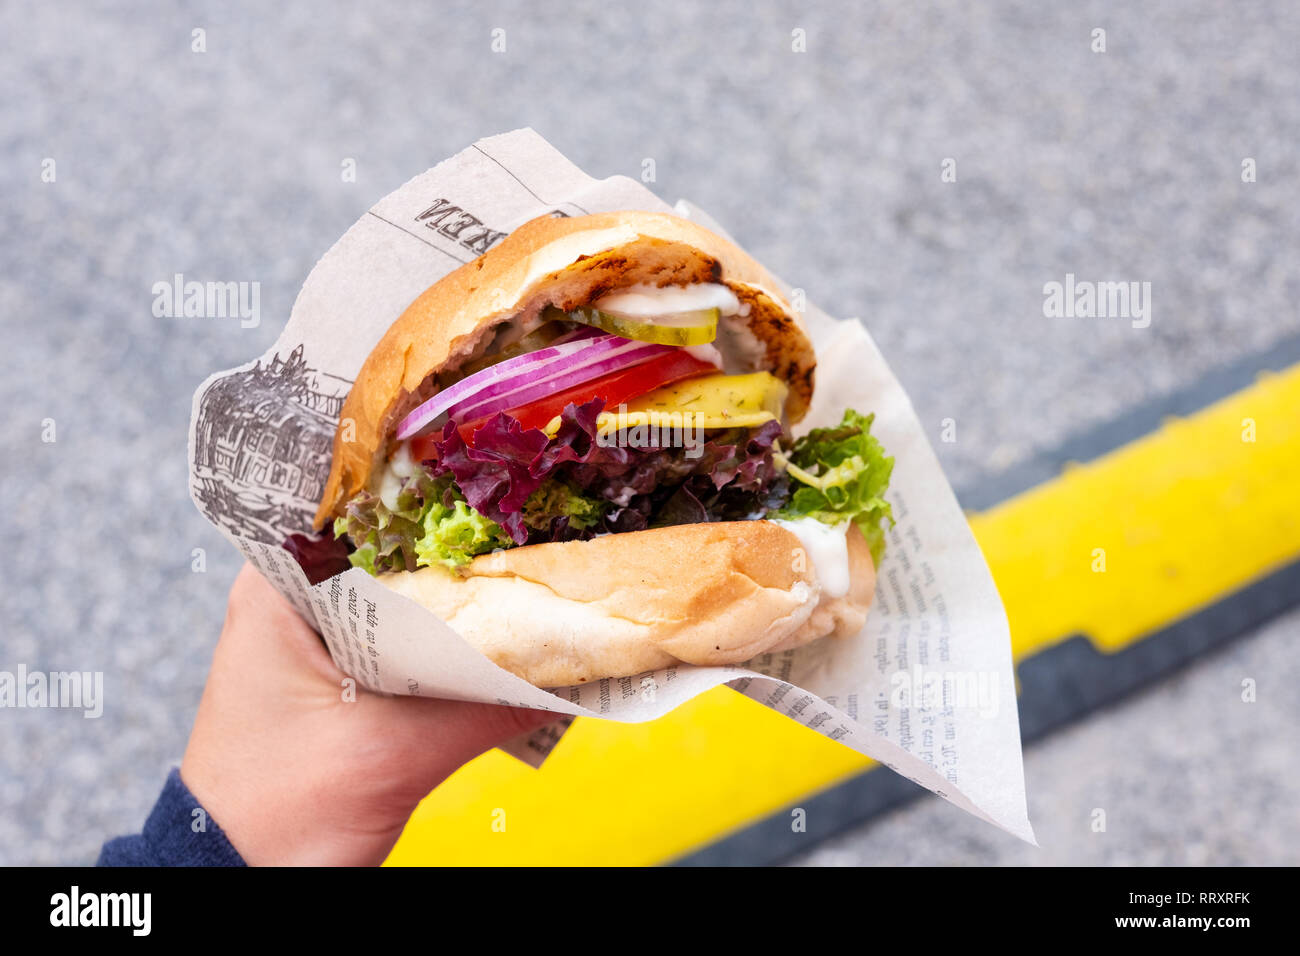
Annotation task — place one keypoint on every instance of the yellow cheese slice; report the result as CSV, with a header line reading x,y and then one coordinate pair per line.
x,y
708,401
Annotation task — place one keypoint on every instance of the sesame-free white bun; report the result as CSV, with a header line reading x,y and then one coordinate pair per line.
x,y
575,611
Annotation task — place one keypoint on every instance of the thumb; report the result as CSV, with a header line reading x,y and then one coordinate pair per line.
x,y
449,733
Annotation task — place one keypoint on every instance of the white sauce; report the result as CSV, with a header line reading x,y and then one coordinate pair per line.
x,y
706,353
649,301
400,467
827,551
742,350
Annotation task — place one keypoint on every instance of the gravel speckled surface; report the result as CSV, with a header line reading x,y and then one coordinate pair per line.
x,y
225,165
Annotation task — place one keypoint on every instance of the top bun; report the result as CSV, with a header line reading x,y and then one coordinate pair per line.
x,y
562,261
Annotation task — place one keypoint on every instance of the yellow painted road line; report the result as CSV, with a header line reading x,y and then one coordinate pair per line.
x,y
1177,519
615,794
1181,517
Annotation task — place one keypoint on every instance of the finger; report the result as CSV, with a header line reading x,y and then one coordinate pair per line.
x,y
456,730
261,622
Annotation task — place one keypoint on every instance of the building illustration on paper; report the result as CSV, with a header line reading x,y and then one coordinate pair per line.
x,y
262,446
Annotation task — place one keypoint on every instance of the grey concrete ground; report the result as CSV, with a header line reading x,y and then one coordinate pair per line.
x,y
225,165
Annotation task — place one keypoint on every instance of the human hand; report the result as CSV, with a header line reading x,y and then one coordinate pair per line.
x,y
294,773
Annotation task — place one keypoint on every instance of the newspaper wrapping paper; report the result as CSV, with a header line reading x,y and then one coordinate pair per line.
x,y
260,445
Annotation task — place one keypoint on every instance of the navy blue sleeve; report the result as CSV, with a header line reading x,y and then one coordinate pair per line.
x,y
174,835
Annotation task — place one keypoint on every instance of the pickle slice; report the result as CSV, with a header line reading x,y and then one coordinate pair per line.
x,y
683,328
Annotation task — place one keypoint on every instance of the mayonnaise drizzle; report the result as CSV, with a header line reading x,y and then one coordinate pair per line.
x,y
827,551
649,301
706,353
400,467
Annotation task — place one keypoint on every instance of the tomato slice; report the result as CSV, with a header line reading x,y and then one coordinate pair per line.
x,y
615,388
425,447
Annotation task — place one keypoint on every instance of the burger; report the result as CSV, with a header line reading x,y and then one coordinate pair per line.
x,y
576,451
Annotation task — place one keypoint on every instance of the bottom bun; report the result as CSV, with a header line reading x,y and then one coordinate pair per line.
x,y
622,604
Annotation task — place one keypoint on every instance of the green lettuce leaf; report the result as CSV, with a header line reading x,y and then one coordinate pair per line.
x,y
431,525
557,499
841,474
453,536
